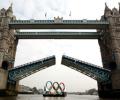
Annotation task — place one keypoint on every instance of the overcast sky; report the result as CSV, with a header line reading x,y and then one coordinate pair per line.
x,y
87,50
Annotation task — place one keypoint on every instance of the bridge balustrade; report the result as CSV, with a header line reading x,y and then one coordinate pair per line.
x,y
96,72
52,21
27,69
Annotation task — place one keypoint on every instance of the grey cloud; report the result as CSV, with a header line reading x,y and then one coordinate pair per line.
x,y
28,9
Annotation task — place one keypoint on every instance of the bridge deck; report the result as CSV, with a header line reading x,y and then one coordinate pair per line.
x,y
98,73
64,24
22,71
57,35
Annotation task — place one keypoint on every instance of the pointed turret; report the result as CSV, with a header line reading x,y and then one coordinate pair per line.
x,y
119,7
10,8
115,11
2,12
106,7
107,11
9,11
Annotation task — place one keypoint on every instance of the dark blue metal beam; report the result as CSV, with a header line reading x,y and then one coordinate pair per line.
x,y
98,73
22,71
58,35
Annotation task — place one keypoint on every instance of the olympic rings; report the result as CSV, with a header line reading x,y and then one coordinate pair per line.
x,y
55,86
49,88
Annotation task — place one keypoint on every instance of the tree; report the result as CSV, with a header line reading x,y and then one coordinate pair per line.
x,y
92,91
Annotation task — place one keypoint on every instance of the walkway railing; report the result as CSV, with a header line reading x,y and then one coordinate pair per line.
x,y
62,24
58,35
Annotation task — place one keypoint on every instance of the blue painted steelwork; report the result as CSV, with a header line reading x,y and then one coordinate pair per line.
x,y
58,35
98,73
22,71
64,24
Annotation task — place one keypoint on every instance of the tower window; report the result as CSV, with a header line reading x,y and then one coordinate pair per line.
x,y
112,65
5,65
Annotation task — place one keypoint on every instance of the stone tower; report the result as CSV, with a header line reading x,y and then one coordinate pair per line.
x,y
8,42
110,51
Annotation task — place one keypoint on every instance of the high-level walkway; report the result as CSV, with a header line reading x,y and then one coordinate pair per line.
x,y
58,35
60,24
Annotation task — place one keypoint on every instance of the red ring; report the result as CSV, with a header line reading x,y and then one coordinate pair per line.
x,y
63,86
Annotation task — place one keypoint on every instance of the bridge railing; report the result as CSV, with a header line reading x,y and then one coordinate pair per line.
x,y
27,69
98,73
58,35
63,22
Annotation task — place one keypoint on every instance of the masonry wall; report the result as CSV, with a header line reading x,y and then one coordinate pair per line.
x,y
8,42
110,46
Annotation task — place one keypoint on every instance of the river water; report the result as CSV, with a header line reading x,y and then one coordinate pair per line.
x,y
40,97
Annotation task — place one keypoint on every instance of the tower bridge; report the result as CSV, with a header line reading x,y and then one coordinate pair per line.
x,y
107,33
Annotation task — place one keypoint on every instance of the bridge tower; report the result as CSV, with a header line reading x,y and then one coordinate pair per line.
x,y
8,42
8,45
110,52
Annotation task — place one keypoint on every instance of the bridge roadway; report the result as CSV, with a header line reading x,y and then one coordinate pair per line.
x,y
98,73
58,35
60,24
22,71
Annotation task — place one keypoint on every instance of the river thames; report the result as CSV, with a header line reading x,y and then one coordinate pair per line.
x,y
68,97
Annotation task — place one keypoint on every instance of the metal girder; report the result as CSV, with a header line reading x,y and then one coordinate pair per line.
x,y
57,35
98,73
22,71
62,24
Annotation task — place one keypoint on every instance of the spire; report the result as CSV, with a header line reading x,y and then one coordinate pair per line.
x,y
119,7
115,11
70,13
106,7
107,11
9,11
10,8
105,4
45,14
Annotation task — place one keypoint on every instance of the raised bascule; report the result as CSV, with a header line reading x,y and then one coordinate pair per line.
x,y
107,33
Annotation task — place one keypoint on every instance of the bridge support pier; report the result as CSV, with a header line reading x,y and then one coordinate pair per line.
x,y
104,90
112,89
109,94
7,88
8,93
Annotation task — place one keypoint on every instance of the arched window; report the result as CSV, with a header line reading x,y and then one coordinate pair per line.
x,y
5,65
112,65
